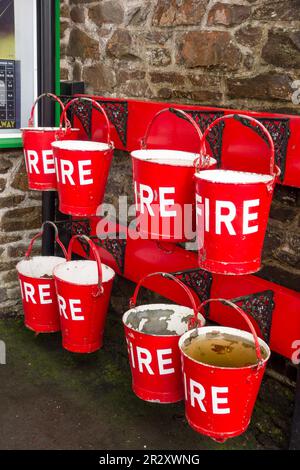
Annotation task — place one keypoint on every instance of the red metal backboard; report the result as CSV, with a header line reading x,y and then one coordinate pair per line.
x,y
242,148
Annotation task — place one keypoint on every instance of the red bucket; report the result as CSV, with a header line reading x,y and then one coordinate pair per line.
x,y
219,400
38,288
232,213
152,334
83,291
82,169
38,153
164,188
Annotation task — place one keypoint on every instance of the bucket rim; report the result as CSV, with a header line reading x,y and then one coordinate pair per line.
x,y
248,175
225,329
104,266
155,306
80,145
185,159
47,129
60,260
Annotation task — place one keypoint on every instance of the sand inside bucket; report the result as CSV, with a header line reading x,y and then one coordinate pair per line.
x,y
83,272
167,157
159,319
230,176
39,266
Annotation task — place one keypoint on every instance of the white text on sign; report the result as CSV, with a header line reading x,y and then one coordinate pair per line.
x,y
225,216
32,162
70,308
66,171
145,196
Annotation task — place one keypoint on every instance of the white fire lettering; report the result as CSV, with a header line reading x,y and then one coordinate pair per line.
x,y
195,393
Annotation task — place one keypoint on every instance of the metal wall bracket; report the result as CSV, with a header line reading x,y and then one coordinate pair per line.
x,y
260,307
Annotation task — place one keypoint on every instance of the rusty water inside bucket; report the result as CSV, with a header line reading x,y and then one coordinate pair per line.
x,y
159,319
222,349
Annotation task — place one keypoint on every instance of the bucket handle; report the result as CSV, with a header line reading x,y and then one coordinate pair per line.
x,y
53,97
96,256
244,316
274,170
98,106
196,308
38,235
203,157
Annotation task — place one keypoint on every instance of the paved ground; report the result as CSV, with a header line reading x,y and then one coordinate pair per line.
x,y
53,399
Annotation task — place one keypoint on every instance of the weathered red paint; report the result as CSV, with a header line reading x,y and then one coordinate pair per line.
x,y
155,359
232,216
82,172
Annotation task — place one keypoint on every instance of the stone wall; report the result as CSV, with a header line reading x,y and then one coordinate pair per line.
x,y
20,216
238,53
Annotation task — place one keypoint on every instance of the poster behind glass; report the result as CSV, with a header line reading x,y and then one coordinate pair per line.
x,y
18,68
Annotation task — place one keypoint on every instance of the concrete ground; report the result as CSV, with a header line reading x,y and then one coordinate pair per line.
x,y
53,399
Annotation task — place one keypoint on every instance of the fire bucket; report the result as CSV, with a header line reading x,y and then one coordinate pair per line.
x,y
232,213
38,152
164,188
152,334
82,169
38,289
83,290
219,400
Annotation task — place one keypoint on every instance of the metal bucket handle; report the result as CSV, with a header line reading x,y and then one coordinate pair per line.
x,y
274,170
196,308
98,106
92,245
245,317
203,157
38,235
53,97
